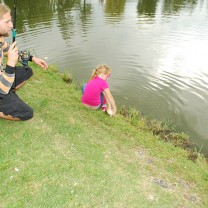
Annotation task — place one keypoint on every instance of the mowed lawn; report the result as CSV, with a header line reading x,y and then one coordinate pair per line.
x,y
70,156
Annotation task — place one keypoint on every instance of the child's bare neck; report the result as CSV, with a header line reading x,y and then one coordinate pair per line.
x,y
102,76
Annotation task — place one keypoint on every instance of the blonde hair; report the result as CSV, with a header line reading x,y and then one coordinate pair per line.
x,y
101,69
3,10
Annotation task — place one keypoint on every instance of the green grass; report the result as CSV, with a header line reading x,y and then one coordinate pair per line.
x,y
70,156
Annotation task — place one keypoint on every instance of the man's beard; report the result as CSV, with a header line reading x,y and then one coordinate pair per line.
x,y
4,34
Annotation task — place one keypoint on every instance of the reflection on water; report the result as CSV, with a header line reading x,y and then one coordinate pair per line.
x,y
174,7
157,50
115,8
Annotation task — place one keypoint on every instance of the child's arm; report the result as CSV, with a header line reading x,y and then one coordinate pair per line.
x,y
110,100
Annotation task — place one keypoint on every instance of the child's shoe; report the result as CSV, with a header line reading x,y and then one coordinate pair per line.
x,y
104,108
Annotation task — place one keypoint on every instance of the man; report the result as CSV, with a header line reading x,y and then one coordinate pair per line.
x,y
13,77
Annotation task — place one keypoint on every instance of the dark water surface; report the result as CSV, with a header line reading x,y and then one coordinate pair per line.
x,y
157,49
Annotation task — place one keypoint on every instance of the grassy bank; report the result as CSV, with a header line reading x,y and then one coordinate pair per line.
x,y
69,156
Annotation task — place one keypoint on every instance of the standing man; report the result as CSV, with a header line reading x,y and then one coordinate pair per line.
x,y
12,77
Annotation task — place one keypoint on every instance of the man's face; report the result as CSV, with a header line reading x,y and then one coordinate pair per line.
x,y
6,25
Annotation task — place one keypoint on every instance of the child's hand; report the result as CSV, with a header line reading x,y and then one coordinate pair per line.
x,y
110,112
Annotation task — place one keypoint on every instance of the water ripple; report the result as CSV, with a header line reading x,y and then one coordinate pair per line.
x,y
158,59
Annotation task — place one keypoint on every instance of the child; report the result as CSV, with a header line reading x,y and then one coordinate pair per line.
x,y
96,92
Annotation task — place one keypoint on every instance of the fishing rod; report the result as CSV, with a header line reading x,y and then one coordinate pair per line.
x,y
23,55
14,22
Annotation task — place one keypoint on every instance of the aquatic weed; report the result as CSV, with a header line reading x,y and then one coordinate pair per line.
x,y
67,77
163,129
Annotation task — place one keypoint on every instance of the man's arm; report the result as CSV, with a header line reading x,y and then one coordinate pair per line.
x,y
39,62
8,75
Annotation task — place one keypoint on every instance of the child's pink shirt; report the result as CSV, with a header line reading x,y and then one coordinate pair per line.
x,y
93,89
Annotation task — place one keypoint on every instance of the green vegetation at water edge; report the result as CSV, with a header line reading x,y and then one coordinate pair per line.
x,y
70,156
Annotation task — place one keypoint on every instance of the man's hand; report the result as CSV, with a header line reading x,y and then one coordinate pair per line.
x,y
12,55
40,62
